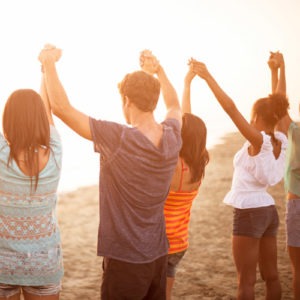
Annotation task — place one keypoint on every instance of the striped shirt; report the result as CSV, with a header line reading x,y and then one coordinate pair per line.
x,y
177,215
177,211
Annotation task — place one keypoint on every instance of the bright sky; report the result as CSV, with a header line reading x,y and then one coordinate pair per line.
x,y
101,41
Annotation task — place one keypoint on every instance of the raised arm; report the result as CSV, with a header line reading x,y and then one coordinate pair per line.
x,y
44,96
150,64
252,134
273,65
186,96
276,63
57,96
281,86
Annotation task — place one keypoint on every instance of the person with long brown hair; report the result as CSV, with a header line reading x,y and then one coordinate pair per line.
x,y
258,164
186,181
31,260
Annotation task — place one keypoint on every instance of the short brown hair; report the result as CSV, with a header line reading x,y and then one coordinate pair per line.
x,y
142,89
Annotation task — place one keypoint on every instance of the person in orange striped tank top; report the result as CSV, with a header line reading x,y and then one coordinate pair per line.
x,y
189,172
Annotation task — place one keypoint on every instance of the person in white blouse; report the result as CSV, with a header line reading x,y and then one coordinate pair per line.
x,y
257,165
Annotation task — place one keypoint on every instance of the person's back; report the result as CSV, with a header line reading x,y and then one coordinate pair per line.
x,y
28,220
134,183
186,181
185,184
136,168
30,164
257,165
292,171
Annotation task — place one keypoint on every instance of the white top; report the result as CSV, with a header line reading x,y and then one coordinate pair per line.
x,y
254,174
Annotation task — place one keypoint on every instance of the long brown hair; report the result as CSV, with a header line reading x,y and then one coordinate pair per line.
x,y
193,150
26,128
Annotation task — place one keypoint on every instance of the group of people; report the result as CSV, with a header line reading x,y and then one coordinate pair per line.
x,y
150,173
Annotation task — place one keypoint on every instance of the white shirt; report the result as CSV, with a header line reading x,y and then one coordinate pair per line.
x,y
254,174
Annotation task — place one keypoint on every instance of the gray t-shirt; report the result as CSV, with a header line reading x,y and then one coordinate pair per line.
x,y
135,177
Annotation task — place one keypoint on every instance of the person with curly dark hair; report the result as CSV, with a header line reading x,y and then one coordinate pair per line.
x,y
258,164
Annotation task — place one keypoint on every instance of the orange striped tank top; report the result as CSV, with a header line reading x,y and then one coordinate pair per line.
x,y
177,211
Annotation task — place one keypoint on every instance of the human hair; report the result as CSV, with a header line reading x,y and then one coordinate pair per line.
x,y
142,89
26,128
271,109
193,150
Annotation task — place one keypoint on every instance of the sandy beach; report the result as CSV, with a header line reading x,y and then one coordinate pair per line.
x,y
207,270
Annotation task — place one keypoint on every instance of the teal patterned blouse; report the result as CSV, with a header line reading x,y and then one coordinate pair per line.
x,y
30,244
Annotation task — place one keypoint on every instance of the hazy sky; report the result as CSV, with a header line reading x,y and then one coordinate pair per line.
x,y
101,41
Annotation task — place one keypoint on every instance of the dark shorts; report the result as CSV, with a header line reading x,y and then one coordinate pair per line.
x,y
293,222
123,280
173,261
255,222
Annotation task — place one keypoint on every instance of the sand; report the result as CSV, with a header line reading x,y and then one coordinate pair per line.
x,y
207,270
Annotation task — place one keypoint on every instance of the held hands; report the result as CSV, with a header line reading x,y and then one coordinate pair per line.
x,y
148,62
50,53
275,60
190,74
199,68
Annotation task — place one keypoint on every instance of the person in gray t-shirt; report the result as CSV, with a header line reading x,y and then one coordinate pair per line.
x,y
137,164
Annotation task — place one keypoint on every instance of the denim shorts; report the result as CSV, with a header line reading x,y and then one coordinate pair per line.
x,y
293,222
7,290
173,261
256,222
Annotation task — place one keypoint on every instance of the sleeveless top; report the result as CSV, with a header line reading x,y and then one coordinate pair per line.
x,y
30,246
177,211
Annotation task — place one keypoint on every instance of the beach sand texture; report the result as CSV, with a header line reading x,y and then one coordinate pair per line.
x,y
206,272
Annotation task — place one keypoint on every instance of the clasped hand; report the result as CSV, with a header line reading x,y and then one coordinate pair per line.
x,y
50,52
148,62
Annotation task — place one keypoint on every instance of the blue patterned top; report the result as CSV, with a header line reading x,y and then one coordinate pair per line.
x,y
30,244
